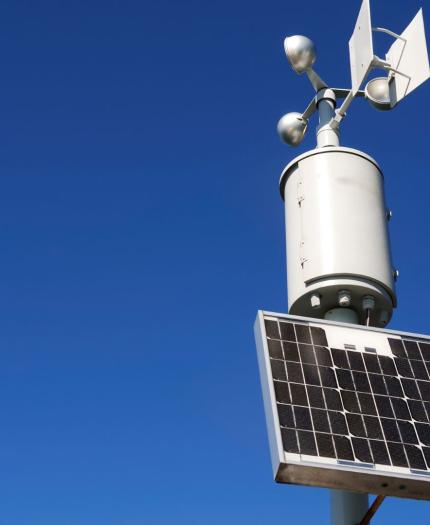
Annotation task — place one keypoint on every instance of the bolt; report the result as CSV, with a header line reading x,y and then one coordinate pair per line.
x,y
315,300
344,298
368,302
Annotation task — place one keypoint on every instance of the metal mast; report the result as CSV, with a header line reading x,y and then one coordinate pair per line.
x,y
338,250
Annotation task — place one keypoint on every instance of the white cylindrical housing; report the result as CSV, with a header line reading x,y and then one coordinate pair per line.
x,y
337,236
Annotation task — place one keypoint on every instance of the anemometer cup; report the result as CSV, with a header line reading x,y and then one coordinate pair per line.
x,y
377,92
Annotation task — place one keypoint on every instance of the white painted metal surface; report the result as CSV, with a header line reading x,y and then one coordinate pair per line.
x,y
326,103
361,47
336,231
410,58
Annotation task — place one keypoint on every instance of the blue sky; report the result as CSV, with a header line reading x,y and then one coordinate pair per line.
x,y
141,229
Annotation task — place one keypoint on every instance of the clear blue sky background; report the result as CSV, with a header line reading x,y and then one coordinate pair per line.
x,y
141,229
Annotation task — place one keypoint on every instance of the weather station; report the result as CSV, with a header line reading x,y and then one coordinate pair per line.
x,y
347,401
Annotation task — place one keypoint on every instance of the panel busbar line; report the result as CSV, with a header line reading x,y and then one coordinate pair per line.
x,y
350,405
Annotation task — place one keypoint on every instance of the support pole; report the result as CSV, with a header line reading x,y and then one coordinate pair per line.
x,y
347,508
326,134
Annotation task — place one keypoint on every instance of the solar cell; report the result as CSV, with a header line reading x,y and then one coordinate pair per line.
x,y
307,354
397,347
419,370
426,451
286,416
298,394
379,452
404,368
340,358
326,446
361,382
407,432
316,398
289,439
302,418
425,350
423,433
278,369
332,399
318,336
362,450
424,388
350,401
344,378
378,384
303,333
294,372
412,350
397,454
410,388
372,363
272,329
373,427
328,378
323,356
356,425
427,409
275,349
415,457
384,406
287,332
400,408
387,365
282,392
320,420
391,430
337,422
291,351
311,374
417,410
343,447
356,361
367,404
307,443
393,386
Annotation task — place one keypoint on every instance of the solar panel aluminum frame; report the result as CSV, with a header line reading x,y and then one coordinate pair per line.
x,y
301,469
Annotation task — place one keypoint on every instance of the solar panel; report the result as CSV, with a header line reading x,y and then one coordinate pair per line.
x,y
346,406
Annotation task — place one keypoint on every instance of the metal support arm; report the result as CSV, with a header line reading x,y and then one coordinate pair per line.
x,y
372,510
